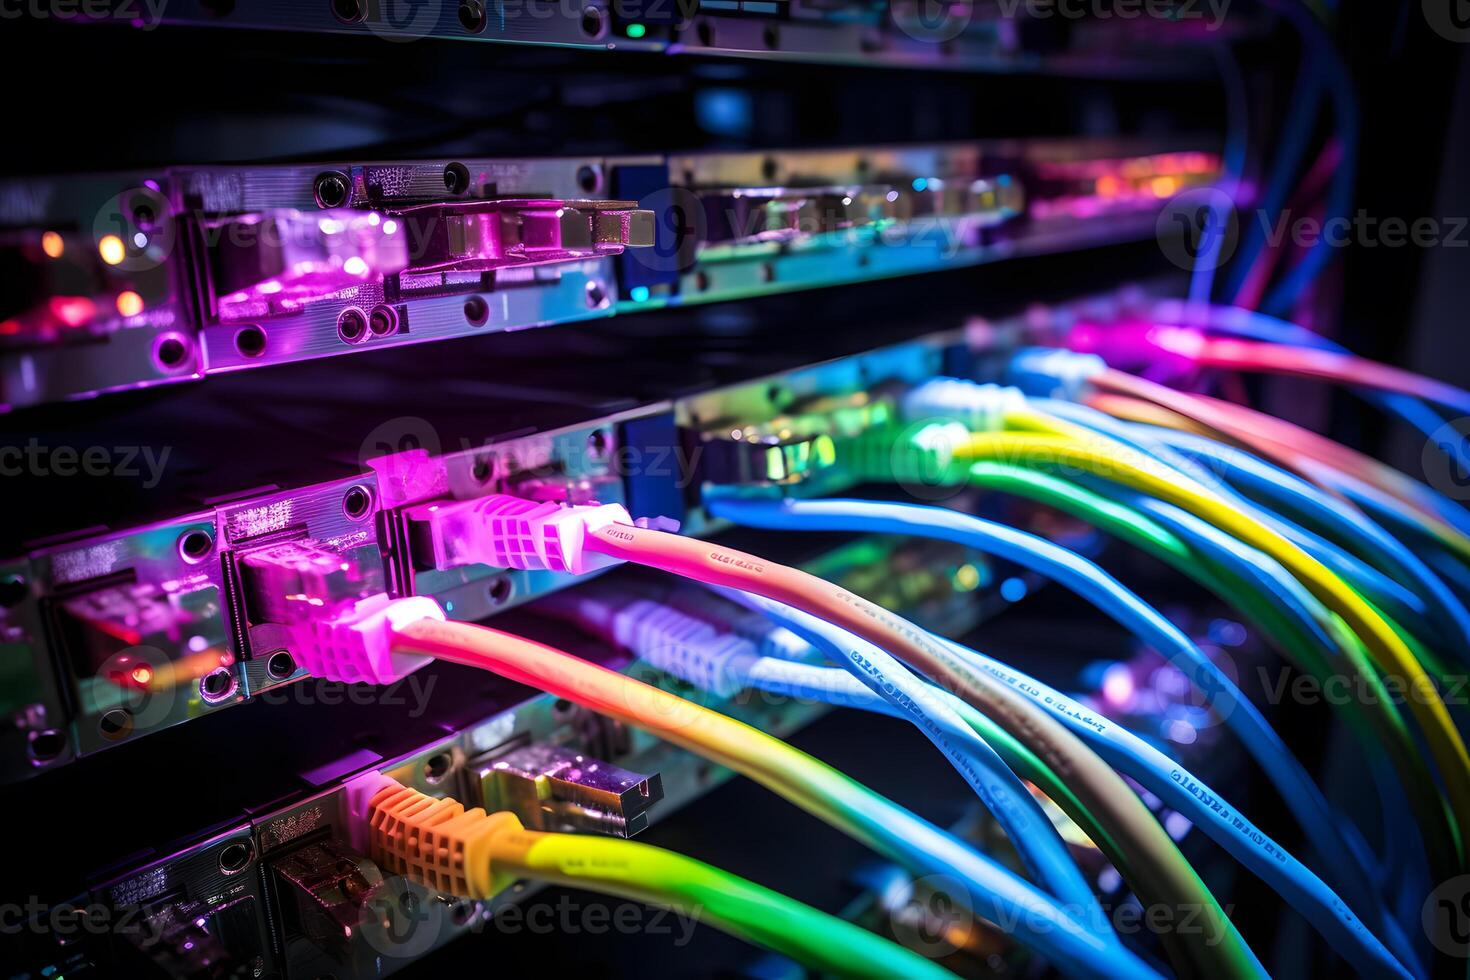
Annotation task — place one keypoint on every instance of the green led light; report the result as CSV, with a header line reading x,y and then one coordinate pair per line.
x,y
636,31
638,294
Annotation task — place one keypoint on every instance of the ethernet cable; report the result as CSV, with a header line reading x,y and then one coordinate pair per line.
x,y
1052,442
1389,650
1303,798
1402,603
867,817
1173,784
508,532
1258,326
723,664
1302,450
1348,526
1276,604
379,640
1306,362
477,855
1161,875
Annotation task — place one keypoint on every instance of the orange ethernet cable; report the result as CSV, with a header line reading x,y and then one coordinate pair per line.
x,y
474,854
378,640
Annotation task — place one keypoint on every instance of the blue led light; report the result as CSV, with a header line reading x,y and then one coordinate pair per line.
x,y
638,294
1013,590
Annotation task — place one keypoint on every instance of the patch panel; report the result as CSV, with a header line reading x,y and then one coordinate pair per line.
x,y
208,579
290,891
139,279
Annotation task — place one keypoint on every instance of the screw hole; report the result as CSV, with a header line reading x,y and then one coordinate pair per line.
x,y
592,23
280,665
456,178
701,281
436,767
499,590
768,168
482,469
235,857
171,352
47,745
596,295
383,320
772,37
597,444
476,311
768,272
250,341
706,32
589,179
217,685
356,502
349,11
12,591
115,724
352,326
472,16
331,189
195,546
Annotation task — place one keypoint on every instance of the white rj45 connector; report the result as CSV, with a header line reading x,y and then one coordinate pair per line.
x,y
508,532
355,645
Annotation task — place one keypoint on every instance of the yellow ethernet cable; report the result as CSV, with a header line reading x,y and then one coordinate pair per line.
x,y
474,854
1124,465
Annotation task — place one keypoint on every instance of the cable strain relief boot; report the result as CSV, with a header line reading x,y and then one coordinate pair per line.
x,y
685,647
923,454
510,532
980,407
356,644
1051,372
440,844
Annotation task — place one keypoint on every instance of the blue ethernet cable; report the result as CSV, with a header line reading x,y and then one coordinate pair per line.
x,y
835,687
1173,784
1085,578
1348,525
1343,102
1360,875
1401,603
720,662
1181,790
912,698
1291,147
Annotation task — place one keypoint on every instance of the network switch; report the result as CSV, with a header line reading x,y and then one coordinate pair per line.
x,y
131,280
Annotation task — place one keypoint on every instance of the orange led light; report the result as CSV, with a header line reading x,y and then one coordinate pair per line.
x,y
1163,186
53,245
112,250
129,303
